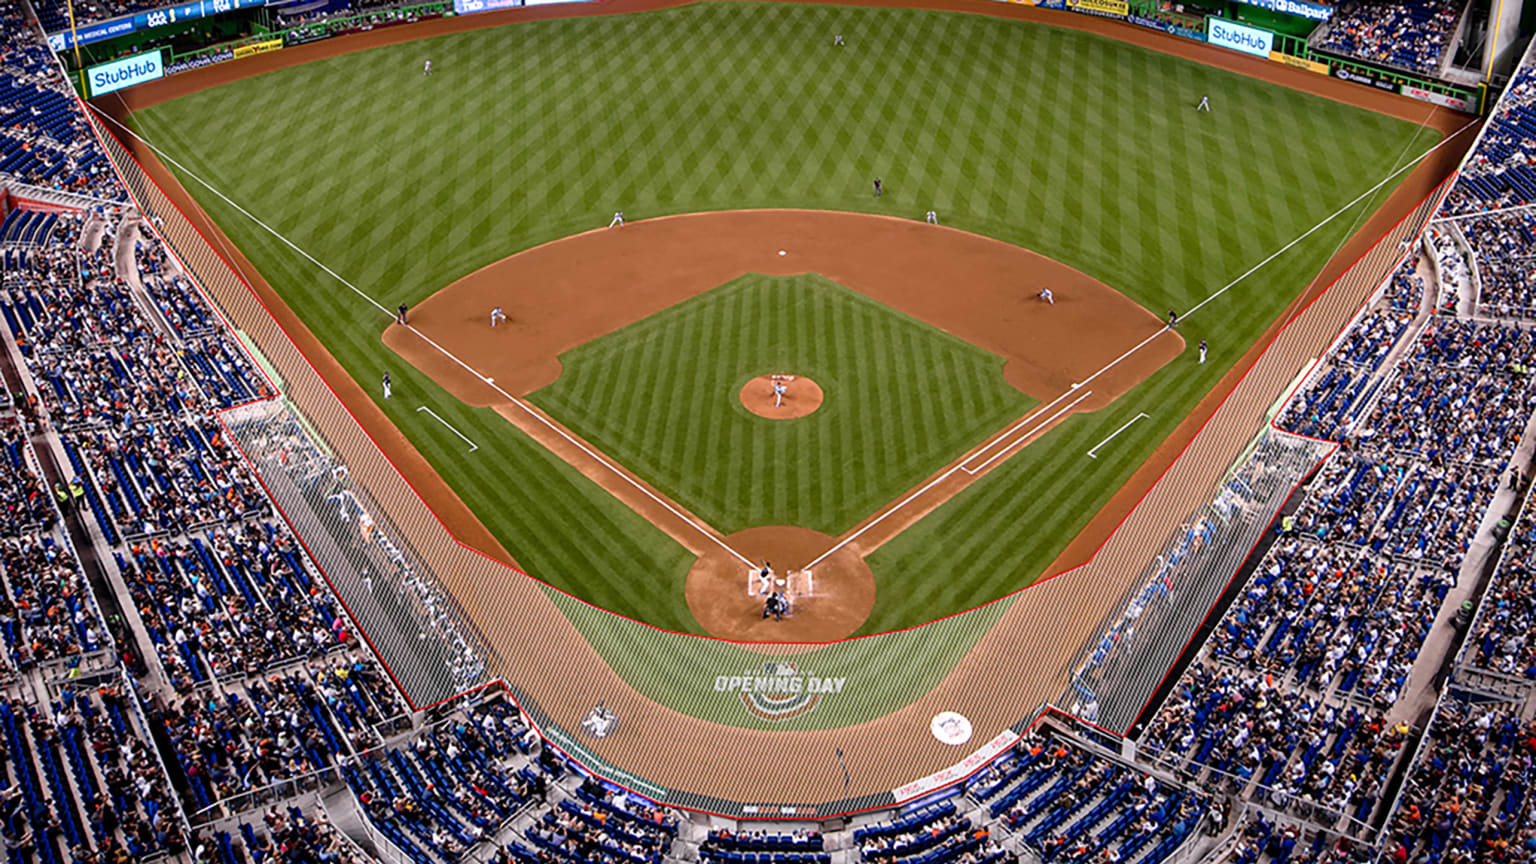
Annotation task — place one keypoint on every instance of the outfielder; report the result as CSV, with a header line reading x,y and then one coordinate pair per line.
x,y
427,70
618,220
388,391
779,389
932,218
1202,350
837,41
498,316
1205,104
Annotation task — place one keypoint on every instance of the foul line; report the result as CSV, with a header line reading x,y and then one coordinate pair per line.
x,y
1113,434
934,482
472,445
1336,214
601,460
1027,435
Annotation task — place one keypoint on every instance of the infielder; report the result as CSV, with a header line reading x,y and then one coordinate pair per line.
x,y
778,393
932,218
1202,350
1205,104
498,316
427,70
387,389
1047,296
618,220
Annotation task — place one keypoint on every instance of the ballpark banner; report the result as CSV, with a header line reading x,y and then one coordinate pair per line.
x,y
1299,63
1345,73
200,61
1440,99
1313,11
1239,37
958,771
258,48
1105,8
125,72
1166,27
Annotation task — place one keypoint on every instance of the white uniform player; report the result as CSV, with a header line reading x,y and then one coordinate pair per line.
x,y
618,220
779,389
1205,104
498,316
427,69
1047,296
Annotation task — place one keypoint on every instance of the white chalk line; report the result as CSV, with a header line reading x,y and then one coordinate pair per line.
x,y
1032,432
601,460
472,445
932,483
1336,214
1113,434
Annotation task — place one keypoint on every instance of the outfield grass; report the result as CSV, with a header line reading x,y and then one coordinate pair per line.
x,y
902,399
1076,146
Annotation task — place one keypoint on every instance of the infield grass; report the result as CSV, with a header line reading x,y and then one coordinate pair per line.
x,y
1076,146
661,396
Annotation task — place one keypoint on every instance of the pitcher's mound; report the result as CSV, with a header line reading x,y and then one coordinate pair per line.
x,y
801,396
725,596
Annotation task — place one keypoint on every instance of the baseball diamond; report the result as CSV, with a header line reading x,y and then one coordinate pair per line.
x,y
979,460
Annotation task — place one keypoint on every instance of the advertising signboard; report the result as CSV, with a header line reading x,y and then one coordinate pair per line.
x,y
124,73
1239,37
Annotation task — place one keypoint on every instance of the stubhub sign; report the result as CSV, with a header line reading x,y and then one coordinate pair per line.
x,y
125,72
1249,40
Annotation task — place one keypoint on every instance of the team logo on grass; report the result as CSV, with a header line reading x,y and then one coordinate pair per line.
x,y
780,691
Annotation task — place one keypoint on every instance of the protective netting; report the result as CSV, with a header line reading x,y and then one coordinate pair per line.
x,y
372,565
1123,666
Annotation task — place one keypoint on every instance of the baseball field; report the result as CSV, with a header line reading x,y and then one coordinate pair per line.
x,y
438,191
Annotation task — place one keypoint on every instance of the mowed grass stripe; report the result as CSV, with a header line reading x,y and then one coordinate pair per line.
x,y
1079,147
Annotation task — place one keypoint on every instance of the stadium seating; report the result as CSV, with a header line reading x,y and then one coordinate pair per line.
x,y
1409,34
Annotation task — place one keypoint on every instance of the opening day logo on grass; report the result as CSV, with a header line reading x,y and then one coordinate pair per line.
x,y
780,691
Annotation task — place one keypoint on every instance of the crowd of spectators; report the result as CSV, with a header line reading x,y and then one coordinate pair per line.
x,y
290,836
1408,34
1501,171
1502,639
1468,798
44,141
